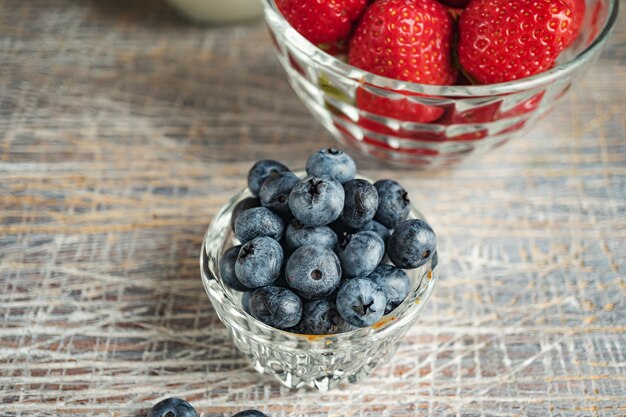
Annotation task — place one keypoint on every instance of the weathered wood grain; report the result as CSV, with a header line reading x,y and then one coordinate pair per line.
x,y
123,129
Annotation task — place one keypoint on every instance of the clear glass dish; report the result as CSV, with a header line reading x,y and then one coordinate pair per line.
x,y
298,360
473,119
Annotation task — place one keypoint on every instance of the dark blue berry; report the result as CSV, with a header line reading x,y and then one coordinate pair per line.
x,y
275,191
259,262
173,407
333,162
361,203
394,282
245,301
316,201
377,228
313,271
276,306
227,269
250,413
360,302
322,317
360,253
258,221
240,207
393,203
262,171
297,235
412,244
341,229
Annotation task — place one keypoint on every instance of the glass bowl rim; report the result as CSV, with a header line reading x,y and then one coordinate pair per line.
x,y
389,322
278,23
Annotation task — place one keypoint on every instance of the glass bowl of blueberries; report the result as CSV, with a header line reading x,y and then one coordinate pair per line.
x,y
318,274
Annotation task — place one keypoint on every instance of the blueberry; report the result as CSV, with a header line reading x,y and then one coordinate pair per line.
x,y
173,407
360,253
276,306
316,201
262,171
361,203
275,191
227,269
393,203
333,162
313,271
258,221
341,229
245,301
250,413
297,235
412,244
240,207
360,302
377,228
259,262
394,282
322,317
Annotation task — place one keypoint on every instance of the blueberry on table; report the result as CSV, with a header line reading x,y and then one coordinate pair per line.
x,y
227,269
259,262
240,207
316,201
377,228
298,235
393,203
333,162
361,302
262,171
250,413
313,271
276,306
394,282
360,253
173,407
258,221
274,193
411,244
361,203
322,317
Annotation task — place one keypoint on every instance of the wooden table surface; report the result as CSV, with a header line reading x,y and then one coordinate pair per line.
x,y
123,129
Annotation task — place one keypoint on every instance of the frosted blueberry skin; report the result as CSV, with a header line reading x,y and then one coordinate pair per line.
x,y
411,244
333,162
316,201
393,203
360,253
240,207
250,413
262,171
361,203
298,235
360,302
276,306
394,282
259,262
321,317
377,228
258,221
227,269
275,191
313,272
173,407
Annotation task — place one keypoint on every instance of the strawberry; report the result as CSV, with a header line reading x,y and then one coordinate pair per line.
x,y
578,8
504,40
322,21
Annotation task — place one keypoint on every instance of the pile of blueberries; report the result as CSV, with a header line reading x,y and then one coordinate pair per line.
x,y
176,407
324,254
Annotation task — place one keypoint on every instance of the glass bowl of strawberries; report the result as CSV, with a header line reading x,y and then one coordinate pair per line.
x,y
427,83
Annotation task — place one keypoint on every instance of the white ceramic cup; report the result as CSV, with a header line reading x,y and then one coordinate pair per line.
x,y
218,11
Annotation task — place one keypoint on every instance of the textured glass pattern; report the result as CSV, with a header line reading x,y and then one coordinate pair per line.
x,y
307,360
467,119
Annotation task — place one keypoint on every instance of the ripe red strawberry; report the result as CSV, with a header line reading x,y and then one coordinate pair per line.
x,y
578,8
504,40
322,21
